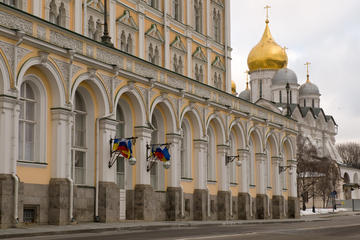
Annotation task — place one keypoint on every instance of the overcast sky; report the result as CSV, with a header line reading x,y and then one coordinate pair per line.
x,y
323,32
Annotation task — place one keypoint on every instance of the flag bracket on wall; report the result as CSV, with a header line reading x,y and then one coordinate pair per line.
x,y
122,147
157,152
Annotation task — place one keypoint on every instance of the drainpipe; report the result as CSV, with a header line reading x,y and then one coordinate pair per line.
x,y
69,178
16,197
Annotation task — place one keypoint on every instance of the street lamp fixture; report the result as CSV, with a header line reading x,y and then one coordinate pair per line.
x,y
229,159
157,152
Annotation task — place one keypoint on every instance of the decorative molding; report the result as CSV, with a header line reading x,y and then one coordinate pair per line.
x,y
217,63
13,22
199,55
178,44
127,20
154,33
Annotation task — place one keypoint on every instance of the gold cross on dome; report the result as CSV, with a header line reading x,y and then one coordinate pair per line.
x,y
247,79
267,12
285,48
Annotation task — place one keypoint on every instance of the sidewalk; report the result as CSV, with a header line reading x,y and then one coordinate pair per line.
x,y
128,225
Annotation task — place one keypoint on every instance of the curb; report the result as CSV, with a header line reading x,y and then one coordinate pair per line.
x,y
150,227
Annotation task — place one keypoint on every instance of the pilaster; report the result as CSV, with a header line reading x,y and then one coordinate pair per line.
x,y
107,130
141,31
243,181
223,180
143,135
61,138
275,162
260,173
174,170
200,151
9,127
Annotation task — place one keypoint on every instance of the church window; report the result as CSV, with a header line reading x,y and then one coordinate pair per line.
x,y
175,63
304,102
53,12
180,65
280,96
313,103
79,141
201,74
177,10
157,173
290,97
260,88
198,15
91,27
28,123
57,16
151,53
120,161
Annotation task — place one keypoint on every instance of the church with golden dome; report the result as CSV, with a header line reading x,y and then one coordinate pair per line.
x,y
274,86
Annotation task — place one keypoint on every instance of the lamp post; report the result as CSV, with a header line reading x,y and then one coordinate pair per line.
x,y
106,39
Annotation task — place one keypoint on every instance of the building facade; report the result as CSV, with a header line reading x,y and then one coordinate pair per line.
x,y
64,94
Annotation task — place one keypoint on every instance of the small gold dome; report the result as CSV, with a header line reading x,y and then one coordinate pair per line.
x,y
267,54
233,87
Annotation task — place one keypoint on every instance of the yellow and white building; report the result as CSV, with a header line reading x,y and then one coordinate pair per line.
x,y
64,95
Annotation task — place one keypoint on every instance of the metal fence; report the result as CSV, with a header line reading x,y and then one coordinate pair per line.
x,y
351,204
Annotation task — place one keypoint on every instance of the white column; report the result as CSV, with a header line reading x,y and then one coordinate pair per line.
x,y
244,175
107,130
62,120
200,151
143,135
167,47
9,125
112,20
223,182
175,168
260,173
292,177
78,16
189,57
275,161
37,8
141,32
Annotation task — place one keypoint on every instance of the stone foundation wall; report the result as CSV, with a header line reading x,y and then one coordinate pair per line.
x,y
213,208
188,206
84,203
37,196
6,201
159,206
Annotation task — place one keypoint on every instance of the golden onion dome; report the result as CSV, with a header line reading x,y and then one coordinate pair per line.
x,y
233,87
267,54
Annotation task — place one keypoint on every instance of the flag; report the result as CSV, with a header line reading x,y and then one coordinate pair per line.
x,y
162,154
124,146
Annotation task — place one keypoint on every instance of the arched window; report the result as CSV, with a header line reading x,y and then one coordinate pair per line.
x,y
157,56
180,66
120,161
211,153
201,74
157,174
186,150
260,88
304,102
175,63
129,45
198,15
313,103
154,4
280,96
290,97
232,165
28,123
79,140
123,41
177,10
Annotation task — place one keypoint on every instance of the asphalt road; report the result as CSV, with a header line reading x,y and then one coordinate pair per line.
x,y
337,228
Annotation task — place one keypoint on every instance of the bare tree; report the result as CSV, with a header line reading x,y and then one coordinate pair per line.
x,y
350,153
